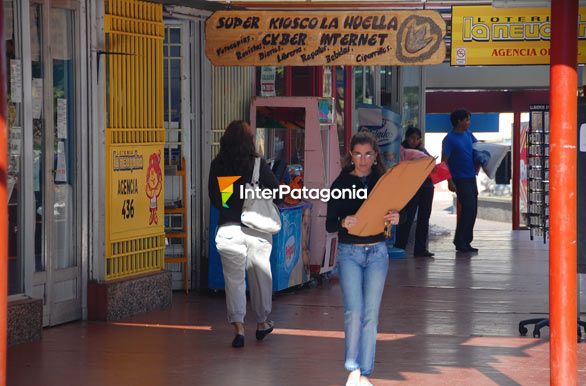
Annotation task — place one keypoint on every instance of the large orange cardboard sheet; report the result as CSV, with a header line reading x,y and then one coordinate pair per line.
x,y
392,192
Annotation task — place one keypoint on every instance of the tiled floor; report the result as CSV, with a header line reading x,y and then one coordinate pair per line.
x,y
451,320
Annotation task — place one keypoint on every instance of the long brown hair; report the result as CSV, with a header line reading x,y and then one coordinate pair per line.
x,y
237,149
364,137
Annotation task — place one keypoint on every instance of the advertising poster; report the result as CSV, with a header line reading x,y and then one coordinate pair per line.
x,y
286,253
135,193
61,164
268,75
523,168
37,94
61,118
15,81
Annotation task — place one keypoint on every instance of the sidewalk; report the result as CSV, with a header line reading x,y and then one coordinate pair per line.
x,y
451,320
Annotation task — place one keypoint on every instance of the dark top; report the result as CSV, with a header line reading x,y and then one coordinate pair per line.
x,y
338,209
428,183
266,180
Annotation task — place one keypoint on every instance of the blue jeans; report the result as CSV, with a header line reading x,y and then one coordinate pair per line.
x,y
363,271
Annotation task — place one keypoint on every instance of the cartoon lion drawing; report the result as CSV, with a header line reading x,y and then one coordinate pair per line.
x,y
154,184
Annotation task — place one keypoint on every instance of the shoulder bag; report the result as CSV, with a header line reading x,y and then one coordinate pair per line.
x,y
259,213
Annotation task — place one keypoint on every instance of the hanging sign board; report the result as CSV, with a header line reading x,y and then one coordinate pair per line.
x,y
136,190
283,38
484,36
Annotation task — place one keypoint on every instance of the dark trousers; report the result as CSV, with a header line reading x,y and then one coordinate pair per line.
x,y
421,204
467,193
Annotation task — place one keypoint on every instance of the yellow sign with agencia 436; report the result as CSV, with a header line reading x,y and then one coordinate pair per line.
x,y
136,190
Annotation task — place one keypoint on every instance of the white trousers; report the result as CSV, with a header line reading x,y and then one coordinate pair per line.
x,y
246,251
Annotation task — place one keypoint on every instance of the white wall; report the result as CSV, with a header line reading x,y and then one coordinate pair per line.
x,y
444,76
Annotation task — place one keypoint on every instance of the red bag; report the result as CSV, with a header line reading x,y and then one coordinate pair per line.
x,y
440,173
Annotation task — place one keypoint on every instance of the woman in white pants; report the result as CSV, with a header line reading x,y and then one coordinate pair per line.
x,y
243,251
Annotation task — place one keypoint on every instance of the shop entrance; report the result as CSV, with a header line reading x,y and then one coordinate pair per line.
x,y
177,121
54,50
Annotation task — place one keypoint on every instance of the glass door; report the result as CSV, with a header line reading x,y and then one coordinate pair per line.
x,y
54,56
14,102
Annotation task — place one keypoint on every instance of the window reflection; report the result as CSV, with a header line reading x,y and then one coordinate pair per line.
x,y
63,64
14,115
38,74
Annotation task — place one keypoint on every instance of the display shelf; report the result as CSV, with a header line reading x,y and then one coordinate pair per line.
x,y
178,230
538,171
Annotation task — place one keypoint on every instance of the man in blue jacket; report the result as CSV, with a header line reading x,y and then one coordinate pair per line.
x,y
457,151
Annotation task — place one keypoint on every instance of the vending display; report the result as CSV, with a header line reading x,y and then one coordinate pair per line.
x,y
538,171
297,136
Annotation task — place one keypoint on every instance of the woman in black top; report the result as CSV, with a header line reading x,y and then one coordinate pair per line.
x,y
420,203
242,250
362,261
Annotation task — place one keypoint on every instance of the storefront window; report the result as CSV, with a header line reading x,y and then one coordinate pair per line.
x,y
38,73
172,93
363,85
411,96
280,138
14,111
270,81
64,113
387,86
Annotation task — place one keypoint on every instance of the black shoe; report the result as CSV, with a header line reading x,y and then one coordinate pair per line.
x,y
424,253
260,334
238,341
467,248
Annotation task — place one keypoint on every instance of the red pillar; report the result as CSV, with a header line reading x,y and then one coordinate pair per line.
x,y
563,139
348,101
3,206
288,81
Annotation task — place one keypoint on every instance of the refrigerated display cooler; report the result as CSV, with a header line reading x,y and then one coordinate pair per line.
x,y
299,139
301,132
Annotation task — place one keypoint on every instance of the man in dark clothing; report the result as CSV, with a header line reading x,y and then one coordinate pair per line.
x,y
457,151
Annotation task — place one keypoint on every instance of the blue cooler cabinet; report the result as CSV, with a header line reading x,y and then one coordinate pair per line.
x,y
287,266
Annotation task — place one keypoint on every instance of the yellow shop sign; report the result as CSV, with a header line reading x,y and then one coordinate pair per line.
x,y
483,35
136,190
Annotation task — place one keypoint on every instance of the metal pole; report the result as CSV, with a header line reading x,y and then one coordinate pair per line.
x,y
563,138
3,206
516,158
